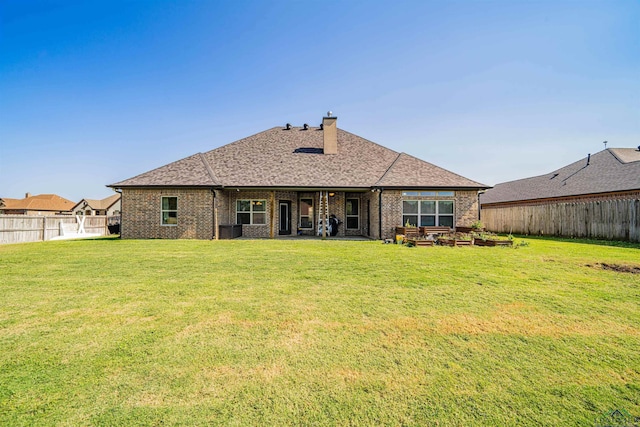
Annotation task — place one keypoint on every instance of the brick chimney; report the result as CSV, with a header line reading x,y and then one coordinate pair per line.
x,y
330,134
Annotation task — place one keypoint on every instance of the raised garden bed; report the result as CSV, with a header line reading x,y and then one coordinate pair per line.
x,y
426,230
469,230
407,231
491,239
455,242
420,242
456,239
490,242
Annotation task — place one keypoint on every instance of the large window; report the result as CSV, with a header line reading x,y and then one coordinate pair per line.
x,y
169,211
251,212
353,214
306,213
427,212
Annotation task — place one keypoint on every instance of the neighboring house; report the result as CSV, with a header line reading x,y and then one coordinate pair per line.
x,y
109,206
42,204
596,197
284,181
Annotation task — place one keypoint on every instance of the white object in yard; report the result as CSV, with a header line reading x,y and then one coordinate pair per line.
x,y
74,231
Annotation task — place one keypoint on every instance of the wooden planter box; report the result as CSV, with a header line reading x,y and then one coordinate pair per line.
x,y
407,231
469,230
426,230
420,242
455,242
489,242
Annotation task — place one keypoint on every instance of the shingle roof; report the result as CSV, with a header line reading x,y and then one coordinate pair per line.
x,y
294,158
40,202
610,170
103,204
407,171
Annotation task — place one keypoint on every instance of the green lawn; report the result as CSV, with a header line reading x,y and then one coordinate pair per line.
x,y
109,332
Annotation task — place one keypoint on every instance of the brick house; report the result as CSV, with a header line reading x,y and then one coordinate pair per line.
x,y
287,181
595,197
89,207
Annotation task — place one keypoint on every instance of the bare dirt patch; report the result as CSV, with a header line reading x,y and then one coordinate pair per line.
x,y
633,269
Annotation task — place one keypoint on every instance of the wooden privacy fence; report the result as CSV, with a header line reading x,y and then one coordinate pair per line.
x,y
616,219
22,228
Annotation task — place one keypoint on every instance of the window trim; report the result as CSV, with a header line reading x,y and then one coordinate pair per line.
x,y
436,214
162,211
251,211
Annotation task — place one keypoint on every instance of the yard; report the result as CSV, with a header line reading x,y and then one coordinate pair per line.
x,y
109,332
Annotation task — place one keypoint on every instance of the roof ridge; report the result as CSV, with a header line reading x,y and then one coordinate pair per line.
x,y
207,166
389,168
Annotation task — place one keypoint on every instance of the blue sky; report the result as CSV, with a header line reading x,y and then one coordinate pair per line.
x,y
94,92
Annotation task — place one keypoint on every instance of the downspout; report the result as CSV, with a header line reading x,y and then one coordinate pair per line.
x,y
214,214
380,190
118,190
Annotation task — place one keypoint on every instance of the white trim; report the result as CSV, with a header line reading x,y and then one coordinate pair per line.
x,y
436,214
251,211
162,224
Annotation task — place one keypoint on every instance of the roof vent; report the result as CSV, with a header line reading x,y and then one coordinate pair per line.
x,y
305,126
329,113
638,148
322,127
288,126
588,159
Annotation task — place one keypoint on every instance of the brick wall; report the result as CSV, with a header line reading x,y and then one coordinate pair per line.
x,y
141,214
465,209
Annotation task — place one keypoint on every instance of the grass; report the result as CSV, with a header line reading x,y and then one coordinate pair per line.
x,y
145,333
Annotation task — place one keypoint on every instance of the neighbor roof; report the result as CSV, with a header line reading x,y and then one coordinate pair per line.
x,y
294,158
40,202
103,204
610,170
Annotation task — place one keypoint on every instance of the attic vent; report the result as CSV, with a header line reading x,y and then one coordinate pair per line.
x,y
308,150
288,126
305,126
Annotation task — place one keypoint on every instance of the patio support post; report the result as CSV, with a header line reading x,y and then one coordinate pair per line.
x,y
272,210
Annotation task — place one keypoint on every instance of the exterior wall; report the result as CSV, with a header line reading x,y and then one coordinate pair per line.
x,y
254,231
141,214
115,209
465,209
605,217
374,212
227,212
